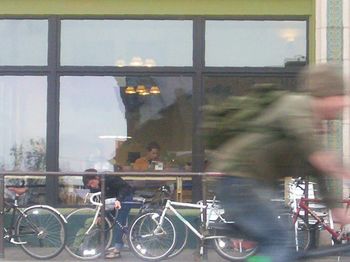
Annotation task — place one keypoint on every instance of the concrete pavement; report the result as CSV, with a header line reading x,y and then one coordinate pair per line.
x,y
17,254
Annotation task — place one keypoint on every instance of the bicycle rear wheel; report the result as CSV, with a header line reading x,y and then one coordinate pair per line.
x,y
43,232
235,249
301,234
149,240
86,246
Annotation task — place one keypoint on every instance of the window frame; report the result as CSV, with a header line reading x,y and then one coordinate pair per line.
x,y
198,71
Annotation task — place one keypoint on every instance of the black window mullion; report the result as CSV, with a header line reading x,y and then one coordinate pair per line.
x,y
52,135
197,146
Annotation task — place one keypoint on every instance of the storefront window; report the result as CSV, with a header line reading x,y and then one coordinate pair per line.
x,y
23,131
23,42
106,123
255,43
121,43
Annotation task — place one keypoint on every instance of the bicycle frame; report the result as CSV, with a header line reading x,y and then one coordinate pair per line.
x,y
98,205
170,206
303,204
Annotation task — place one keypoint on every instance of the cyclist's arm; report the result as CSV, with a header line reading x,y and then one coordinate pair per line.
x,y
329,164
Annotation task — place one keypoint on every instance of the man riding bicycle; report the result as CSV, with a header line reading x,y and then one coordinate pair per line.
x,y
284,142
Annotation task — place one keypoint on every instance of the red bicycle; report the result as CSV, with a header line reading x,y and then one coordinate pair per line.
x,y
306,219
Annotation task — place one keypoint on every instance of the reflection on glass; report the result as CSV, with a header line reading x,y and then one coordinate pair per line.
x,y
126,43
255,43
23,131
103,126
23,42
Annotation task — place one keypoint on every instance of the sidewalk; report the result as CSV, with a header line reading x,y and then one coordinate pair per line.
x,y
17,254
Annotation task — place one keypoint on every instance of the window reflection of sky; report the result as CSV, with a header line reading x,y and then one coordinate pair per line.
x,y
90,107
23,42
104,42
22,114
254,43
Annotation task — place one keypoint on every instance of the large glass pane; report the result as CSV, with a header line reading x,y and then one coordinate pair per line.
x,y
126,43
255,43
23,42
106,123
23,131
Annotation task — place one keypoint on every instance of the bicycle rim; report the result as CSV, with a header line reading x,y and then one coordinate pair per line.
x,y
149,240
81,245
181,241
43,230
235,249
301,234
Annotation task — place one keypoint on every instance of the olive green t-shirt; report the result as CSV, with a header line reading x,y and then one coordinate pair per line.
x,y
277,144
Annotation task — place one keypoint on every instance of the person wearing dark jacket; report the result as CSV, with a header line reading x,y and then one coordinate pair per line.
x,y
115,187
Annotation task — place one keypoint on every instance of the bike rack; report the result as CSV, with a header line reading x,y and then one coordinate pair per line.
x,y
178,175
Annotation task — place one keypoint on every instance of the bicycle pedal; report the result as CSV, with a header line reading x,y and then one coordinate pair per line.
x,y
17,243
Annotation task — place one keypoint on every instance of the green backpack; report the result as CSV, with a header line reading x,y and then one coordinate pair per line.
x,y
234,116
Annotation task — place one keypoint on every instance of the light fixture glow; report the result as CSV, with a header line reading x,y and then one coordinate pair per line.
x,y
120,63
149,62
130,90
154,90
121,138
136,61
141,89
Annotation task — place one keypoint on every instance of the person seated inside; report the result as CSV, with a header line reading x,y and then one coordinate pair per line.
x,y
115,187
151,160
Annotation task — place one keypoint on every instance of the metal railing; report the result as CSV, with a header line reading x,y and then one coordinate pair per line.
x,y
178,175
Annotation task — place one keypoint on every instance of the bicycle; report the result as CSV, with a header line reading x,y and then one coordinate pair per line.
x,y
84,225
153,235
39,230
303,214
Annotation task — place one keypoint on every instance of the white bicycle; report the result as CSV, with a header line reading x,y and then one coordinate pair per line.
x,y
153,235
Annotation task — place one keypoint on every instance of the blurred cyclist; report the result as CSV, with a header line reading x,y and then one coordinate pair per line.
x,y
284,143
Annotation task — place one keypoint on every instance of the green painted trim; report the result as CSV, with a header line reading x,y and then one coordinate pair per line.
x,y
312,34
156,7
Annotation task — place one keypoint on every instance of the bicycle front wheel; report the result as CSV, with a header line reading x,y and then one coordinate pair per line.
x,y
43,232
149,239
82,244
181,241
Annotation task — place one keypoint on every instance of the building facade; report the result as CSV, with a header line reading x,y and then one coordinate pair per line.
x,y
89,84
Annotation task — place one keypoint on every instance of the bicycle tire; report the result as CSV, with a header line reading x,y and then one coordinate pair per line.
x,y
43,230
181,230
145,244
83,246
302,237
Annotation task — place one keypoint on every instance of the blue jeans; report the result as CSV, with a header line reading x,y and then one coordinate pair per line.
x,y
122,218
248,203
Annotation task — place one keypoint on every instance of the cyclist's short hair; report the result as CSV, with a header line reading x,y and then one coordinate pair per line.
x,y
88,177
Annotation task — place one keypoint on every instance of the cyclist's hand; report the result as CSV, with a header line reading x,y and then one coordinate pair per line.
x,y
117,204
340,216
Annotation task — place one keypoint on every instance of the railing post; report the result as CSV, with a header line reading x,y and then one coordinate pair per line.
x,y
2,183
204,194
103,213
